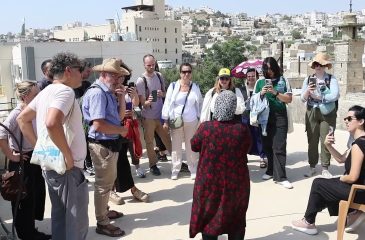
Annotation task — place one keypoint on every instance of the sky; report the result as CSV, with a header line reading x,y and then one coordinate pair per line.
x,y
46,14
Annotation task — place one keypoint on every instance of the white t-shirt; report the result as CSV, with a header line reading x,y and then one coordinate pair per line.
x,y
62,97
190,113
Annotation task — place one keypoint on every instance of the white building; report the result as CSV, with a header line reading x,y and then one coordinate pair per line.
x,y
23,61
147,21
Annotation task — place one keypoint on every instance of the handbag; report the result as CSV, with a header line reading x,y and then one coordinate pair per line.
x,y
178,121
13,188
46,154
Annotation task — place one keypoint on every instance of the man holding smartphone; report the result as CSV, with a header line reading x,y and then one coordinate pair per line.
x,y
321,92
151,90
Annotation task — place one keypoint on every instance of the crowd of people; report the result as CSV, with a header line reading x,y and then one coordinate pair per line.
x,y
219,131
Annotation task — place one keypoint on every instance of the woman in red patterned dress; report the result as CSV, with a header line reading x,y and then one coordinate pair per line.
x,y
222,185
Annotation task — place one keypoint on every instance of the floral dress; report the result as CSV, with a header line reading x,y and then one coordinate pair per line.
x,y
222,185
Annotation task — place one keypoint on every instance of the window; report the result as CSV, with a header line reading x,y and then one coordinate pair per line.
x,y
176,50
140,39
176,60
175,30
165,40
127,29
165,29
165,50
175,40
140,28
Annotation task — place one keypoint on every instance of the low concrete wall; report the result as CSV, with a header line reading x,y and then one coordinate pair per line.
x,y
345,102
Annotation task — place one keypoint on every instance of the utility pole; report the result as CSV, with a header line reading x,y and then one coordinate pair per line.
x,y
350,6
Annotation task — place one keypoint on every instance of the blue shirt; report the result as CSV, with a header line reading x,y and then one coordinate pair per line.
x,y
100,104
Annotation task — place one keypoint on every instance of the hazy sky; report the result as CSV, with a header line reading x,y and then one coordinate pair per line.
x,y
46,14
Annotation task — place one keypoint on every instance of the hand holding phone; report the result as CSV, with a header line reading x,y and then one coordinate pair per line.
x,y
268,83
331,130
312,80
154,95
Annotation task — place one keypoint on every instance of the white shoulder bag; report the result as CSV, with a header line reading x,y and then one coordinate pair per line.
x,y
46,154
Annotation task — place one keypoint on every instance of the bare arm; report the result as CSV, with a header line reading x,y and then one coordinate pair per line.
x,y
4,146
24,120
328,142
102,126
357,157
55,130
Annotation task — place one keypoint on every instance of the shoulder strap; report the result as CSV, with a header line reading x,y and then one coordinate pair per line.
x,y
159,78
186,99
94,85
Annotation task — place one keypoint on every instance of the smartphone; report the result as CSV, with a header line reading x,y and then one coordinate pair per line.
x,y
268,82
154,95
331,130
131,85
128,106
313,80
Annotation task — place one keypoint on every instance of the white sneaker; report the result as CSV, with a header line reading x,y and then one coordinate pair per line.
x,y
354,220
311,172
285,184
302,226
193,176
326,174
174,176
266,177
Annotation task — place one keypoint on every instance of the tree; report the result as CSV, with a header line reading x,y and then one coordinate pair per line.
x,y
296,34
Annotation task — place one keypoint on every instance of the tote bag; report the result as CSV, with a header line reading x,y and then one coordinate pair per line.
x,y
46,154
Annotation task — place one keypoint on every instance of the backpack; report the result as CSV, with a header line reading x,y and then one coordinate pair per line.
x,y
328,84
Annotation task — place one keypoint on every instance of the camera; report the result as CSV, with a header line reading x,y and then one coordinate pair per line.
x,y
268,82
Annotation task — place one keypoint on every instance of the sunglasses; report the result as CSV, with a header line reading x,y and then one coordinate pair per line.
x,y
78,67
186,72
315,64
224,78
349,118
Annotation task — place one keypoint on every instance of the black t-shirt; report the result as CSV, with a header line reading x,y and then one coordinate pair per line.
x,y
361,143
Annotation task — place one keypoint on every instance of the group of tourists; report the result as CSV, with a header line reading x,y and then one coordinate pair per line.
x,y
219,131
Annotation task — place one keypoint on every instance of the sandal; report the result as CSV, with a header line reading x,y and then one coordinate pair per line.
x,y
109,230
263,164
112,214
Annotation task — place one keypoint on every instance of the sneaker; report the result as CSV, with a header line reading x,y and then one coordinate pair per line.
x,y
303,226
184,168
285,184
266,177
311,172
141,196
326,174
90,171
193,176
354,220
174,176
155,171
115,198
140,173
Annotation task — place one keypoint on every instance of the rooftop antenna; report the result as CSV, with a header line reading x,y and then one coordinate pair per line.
x,y
350,6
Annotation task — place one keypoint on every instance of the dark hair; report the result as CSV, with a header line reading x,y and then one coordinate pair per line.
x,y
85,64
62,60
253,70
127,77
359,112
274,66
186,65
43,65
148,55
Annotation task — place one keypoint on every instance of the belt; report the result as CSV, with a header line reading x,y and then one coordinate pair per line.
x,y
102,141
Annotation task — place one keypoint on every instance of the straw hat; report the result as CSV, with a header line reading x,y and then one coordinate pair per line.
x,y
111,65
323,59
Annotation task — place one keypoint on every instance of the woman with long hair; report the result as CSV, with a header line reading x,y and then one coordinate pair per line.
x,y
30,208
278,92
223,82
327,193
183,99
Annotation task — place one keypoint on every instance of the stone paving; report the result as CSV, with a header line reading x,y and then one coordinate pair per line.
x,y
269,215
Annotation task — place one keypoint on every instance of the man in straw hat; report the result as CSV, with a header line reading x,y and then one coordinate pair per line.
x,y
151,90
321,92
102,106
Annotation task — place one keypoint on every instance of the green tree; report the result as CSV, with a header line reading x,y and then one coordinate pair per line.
x,y
296,34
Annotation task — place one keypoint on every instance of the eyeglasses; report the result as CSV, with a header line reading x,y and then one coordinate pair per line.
x,y
78,67
186,72
349,118
224,78
315,64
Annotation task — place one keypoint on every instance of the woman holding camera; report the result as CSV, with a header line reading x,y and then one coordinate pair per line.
x,y
320,91
183,99
327,193
30,208
278,93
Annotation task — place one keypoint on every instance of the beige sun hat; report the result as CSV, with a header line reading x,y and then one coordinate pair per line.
x,y
111,65
321,58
